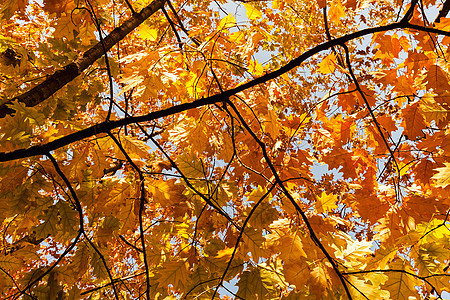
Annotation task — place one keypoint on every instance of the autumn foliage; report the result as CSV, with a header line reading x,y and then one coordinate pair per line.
x,y
285,149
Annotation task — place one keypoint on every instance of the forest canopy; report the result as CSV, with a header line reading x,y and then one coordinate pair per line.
x,y
248,149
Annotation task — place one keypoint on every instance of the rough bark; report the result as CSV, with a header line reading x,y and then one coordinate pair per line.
x,y
61,77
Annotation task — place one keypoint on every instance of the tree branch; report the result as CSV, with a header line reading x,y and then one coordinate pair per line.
x,y
108,126
60,78
443,12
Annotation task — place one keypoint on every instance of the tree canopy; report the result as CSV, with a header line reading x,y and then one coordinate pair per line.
x,y
249,149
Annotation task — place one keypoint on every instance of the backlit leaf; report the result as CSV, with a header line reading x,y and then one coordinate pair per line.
x,y
148,33
326,203
443,176
328,64
252,12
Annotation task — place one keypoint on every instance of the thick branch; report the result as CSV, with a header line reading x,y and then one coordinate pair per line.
x,y
104,127
443,12
60,78
108,126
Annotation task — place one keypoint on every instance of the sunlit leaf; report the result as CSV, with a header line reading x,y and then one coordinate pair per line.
x,y
252,12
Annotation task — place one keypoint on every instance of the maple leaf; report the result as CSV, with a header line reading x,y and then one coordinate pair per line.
x,y
432,111
255,283
401,285
443,176
138,143
337,11
148,33
437,80
326,203
174,273
190,166
252,12
414,121
328,64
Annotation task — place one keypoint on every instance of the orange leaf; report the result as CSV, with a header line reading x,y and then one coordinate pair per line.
x,y
413,121
328,64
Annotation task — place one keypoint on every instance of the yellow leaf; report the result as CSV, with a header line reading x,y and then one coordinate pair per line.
x,y
65,27
252,241
325,202
106,230
263,215
97,264
277,4
147,33
404,167
252,12
10,7
371,289
401,285
431,110
192,84
444,24
227,252
30,113
352,250
69,222
321,280
237,36
291,248
50,224
336,12
227,22
255,195
436,79
256,68
80,261
10,262
413,121
166,192
443,176
190,165
328,64
135,148
271,124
